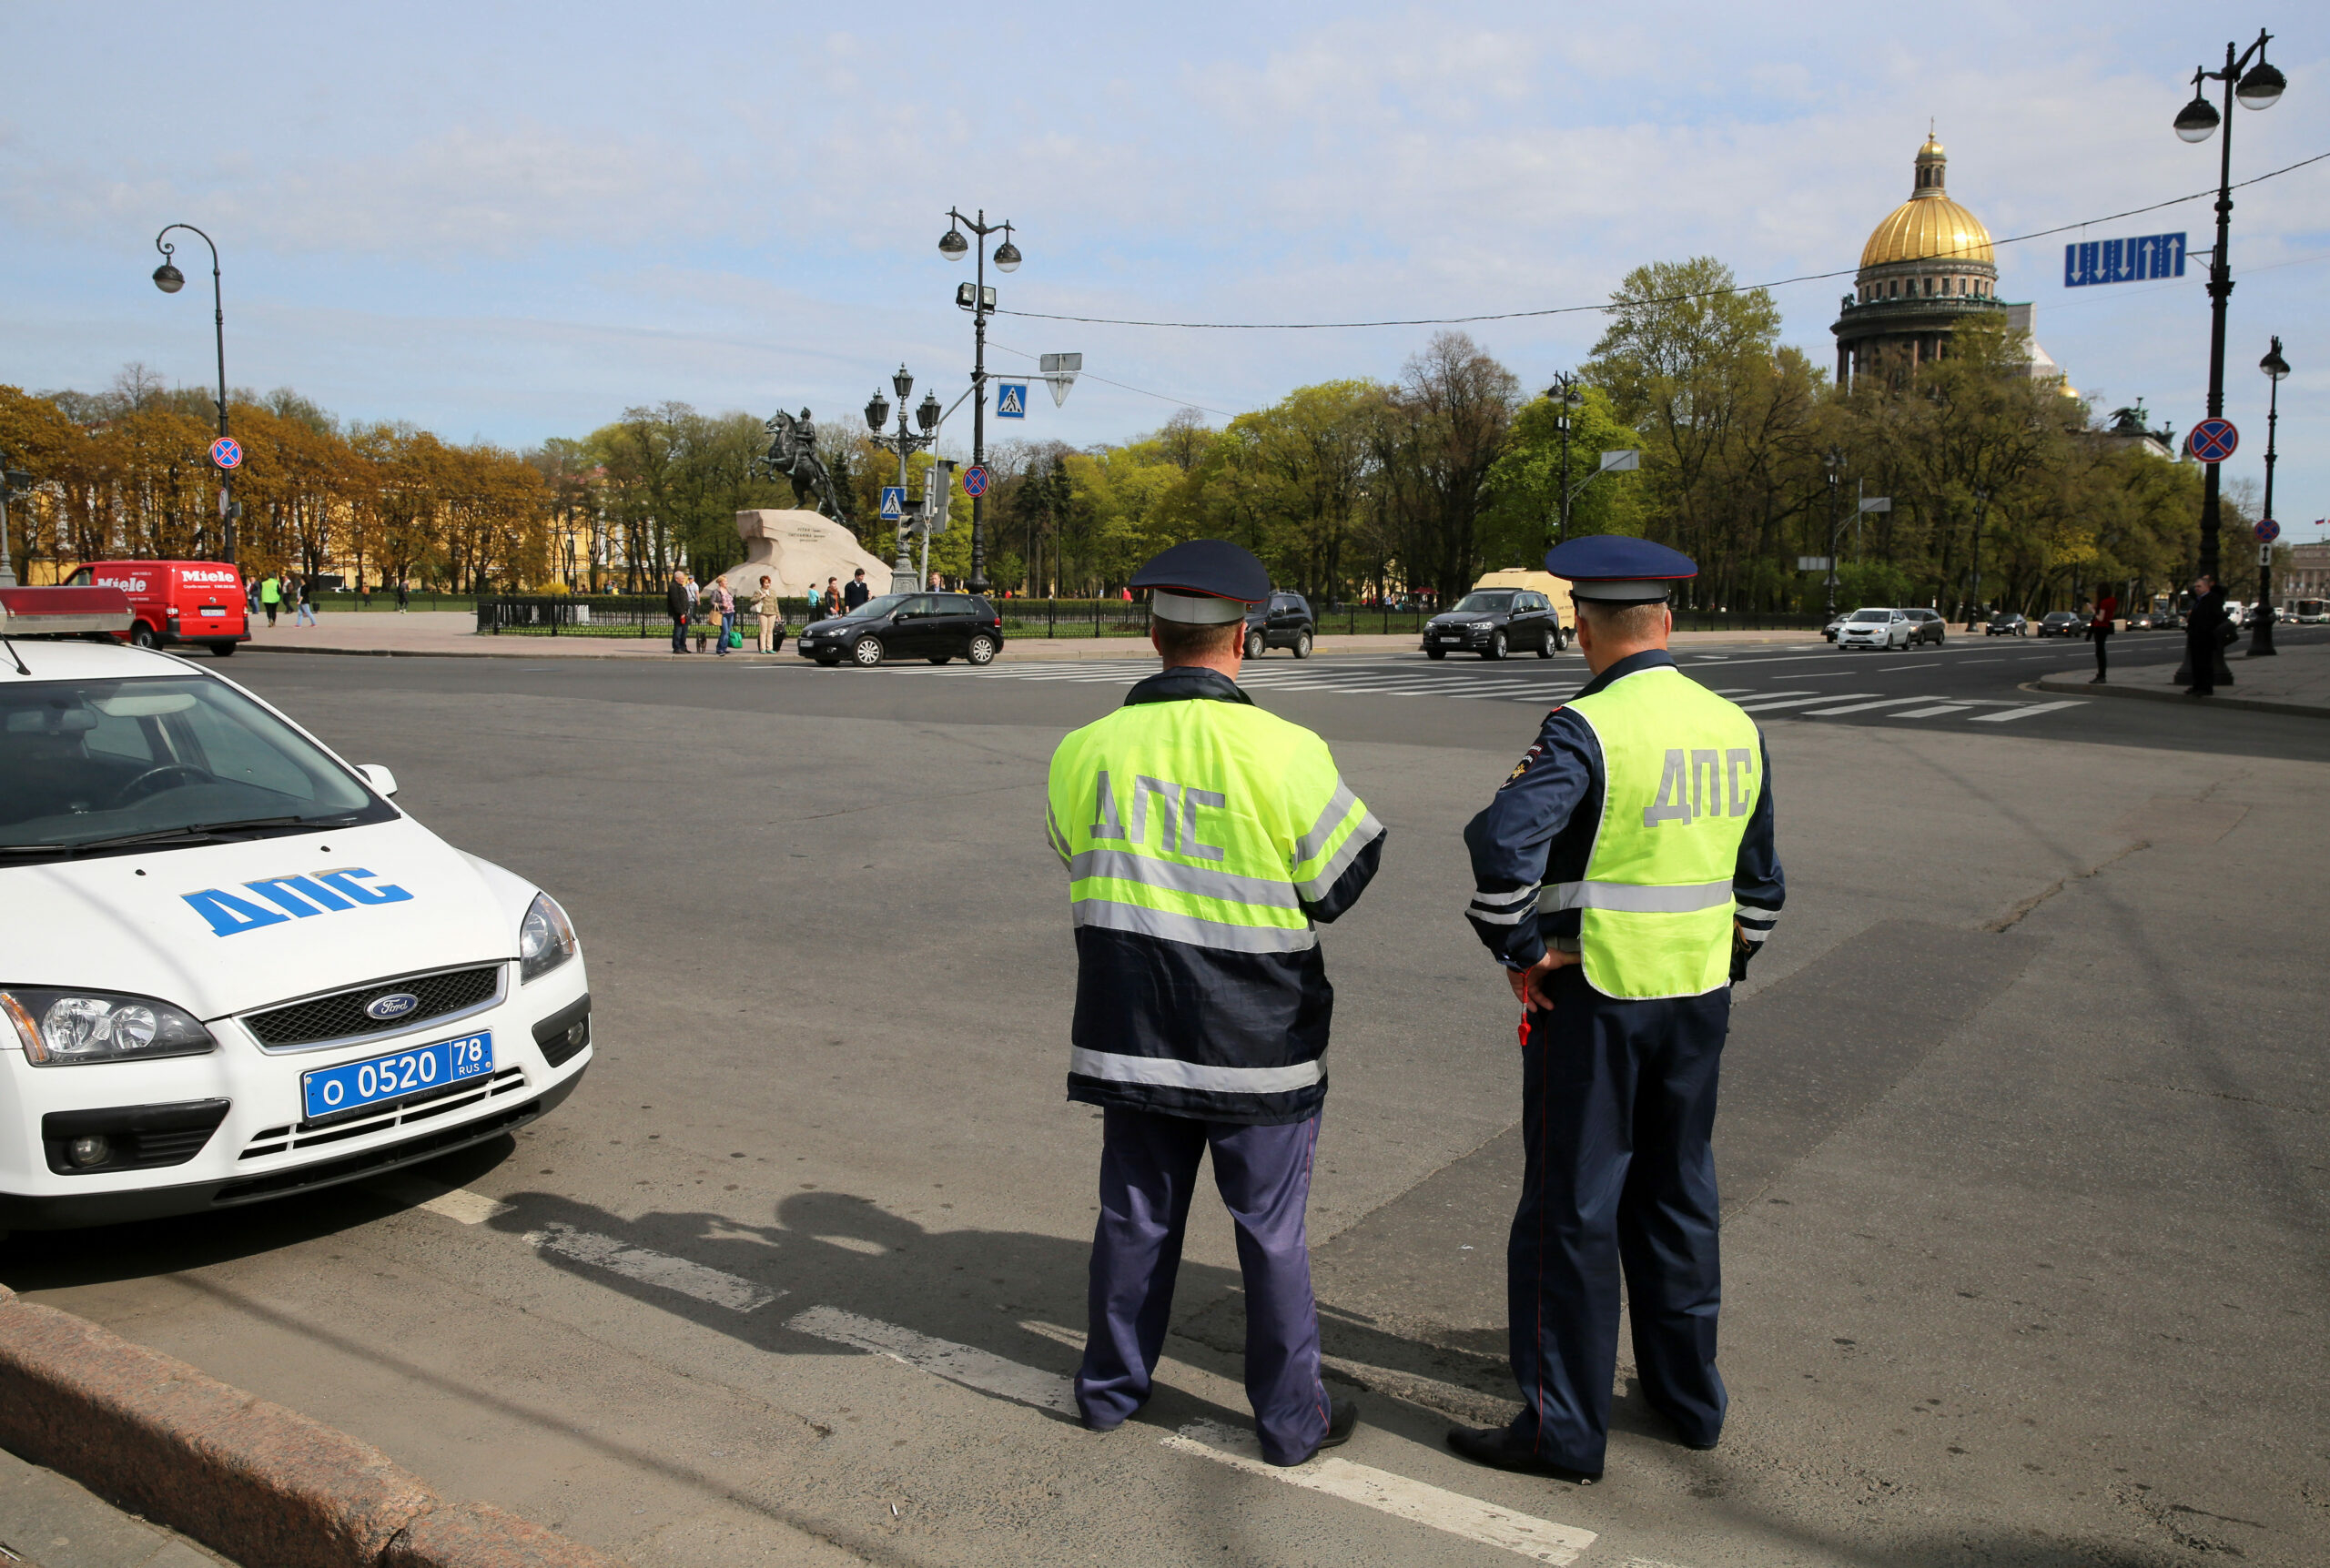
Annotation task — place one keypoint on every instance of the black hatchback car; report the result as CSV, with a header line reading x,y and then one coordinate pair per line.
x,y
1494,622
934,626
1285,622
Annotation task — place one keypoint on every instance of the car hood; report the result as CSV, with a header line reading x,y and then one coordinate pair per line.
x,y
1469,618
190,927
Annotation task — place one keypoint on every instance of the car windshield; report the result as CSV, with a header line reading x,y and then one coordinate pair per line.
x,y
88,766
883,606
1485,601
1867,615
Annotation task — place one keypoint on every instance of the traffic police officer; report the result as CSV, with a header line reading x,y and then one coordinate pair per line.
x,y
1625,873
1205,841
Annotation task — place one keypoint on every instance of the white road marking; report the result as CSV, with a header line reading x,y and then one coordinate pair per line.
x,y
652,1267
1761,706
1935,712
2025,712
454,1203
1862,707
956,1364
1539,1539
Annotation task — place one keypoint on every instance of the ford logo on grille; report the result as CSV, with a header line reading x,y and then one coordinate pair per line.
x,y
396,1004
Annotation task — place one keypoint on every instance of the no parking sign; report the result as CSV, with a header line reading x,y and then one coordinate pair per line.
x,y
227,453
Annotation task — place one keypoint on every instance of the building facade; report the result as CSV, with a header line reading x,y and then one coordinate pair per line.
x,y
2302,571
1925,269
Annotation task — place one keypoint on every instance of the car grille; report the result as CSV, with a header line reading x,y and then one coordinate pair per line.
x,y
341,1015
405,1113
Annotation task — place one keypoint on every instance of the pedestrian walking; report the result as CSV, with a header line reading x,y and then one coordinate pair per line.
x,y
856,594
723,614
270,596
833,596
404,595
2099,631
2204,636
1205,840
1624,875
771,613
307,615
676,605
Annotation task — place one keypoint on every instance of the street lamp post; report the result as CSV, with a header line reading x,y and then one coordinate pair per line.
x,y
1981,511
1834,461
169,280
2261,640
1565,395
979,300
14,482
905,443
2258,86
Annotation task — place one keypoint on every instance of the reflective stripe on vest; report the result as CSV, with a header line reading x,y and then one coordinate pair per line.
x,y
1682,772
1167,1073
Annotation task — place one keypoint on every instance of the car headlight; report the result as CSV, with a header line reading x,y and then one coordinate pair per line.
x,y
60,1028
545,941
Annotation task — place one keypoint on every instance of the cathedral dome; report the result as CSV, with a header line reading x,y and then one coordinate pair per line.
x,y
1928,226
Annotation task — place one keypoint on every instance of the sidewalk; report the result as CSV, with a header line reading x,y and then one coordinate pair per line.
x,y
453,634
48,1521
2294,681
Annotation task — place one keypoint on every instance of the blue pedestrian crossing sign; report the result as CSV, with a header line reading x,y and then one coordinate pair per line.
x,y
894,503
1011,401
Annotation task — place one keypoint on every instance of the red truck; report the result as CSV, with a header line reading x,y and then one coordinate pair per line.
x,y
176,603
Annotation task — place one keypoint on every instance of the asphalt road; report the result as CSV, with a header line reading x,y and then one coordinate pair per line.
x,y
2023,1141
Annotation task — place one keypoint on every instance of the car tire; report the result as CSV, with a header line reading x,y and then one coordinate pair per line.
x,y
142,636
866,651
221,650
829,659
1254,644
982,651
1303,645
1436,653
1546,646
1495,650
942,658
1561,641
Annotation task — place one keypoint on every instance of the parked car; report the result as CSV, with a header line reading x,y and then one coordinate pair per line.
x,y
176,604
2007,624
1875,627
2062,623
1830,630
1926,626
1494,622
1285,622
934,626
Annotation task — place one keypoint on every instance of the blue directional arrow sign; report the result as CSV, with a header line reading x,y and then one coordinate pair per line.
x,y
2213,440
894,503
1011,401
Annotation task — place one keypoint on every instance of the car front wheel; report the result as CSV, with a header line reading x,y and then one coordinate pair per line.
x,y
867,652
1546,644
1436,653
1254,644
221,650
982,649
1303,645
1495,650
142,635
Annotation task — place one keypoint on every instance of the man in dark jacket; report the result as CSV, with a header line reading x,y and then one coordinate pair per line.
x,y
2204,635
678,603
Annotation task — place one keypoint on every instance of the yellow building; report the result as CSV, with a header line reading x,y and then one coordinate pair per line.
x,y
1926,268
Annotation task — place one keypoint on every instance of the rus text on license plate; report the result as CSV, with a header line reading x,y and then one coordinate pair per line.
x,y
415,1070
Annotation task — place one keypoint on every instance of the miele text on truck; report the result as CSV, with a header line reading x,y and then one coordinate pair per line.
x,y
176,603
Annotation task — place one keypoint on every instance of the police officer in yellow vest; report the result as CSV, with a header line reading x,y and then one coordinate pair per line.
x,y
1625,873
1205,841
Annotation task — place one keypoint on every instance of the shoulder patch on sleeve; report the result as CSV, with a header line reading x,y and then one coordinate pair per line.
x,y
1531,755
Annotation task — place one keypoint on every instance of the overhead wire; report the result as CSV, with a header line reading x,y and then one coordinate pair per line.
x,y
1613,305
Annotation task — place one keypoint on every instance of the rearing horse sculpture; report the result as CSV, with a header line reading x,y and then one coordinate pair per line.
x,y
793,452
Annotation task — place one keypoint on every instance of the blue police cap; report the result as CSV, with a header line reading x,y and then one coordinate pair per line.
x,y
1206,582
1613,569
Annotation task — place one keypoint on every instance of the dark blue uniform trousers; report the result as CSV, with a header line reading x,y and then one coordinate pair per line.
x,y
1149,1168
1618,1109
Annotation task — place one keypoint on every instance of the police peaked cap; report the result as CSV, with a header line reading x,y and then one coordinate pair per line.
x,y
1613,569
1204,583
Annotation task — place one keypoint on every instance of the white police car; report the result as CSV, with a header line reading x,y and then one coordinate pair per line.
x,y
229,968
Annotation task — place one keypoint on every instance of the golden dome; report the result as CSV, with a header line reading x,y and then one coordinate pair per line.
x,y
1928,226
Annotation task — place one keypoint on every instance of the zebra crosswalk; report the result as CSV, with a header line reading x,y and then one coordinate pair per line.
x,y
1541,687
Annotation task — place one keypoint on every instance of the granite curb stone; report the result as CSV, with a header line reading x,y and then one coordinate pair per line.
x,y
265,1485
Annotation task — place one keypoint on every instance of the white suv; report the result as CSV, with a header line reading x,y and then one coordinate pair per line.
x,y
1876,628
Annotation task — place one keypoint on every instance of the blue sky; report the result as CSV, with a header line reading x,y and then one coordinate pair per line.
x,y
509,222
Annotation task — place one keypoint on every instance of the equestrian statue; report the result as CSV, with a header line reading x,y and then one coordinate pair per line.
x,y
793,452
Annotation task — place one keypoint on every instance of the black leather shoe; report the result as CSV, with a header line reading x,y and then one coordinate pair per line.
x,y
1496,1446
1342,1419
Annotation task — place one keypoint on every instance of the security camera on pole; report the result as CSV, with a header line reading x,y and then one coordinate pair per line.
x,y
978,299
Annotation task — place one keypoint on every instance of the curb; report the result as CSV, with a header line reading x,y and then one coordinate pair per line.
x,y
2155,694
264,1486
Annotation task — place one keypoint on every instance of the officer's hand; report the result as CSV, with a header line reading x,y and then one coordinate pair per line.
x,y
1532,988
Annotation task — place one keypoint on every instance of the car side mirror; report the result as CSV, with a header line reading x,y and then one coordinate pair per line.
x,y
384,781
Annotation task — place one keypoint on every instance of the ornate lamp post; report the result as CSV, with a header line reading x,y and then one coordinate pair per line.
x,y
2261,640
2258,86
905,443
979,300
1565,399
14,484
169,280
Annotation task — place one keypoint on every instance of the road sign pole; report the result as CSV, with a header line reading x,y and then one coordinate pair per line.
x,y
2260,636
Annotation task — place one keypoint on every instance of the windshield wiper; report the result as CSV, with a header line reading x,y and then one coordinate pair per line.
x,y
192,833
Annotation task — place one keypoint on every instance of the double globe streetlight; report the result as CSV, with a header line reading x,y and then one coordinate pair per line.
x,y
169,280
2257,86
905,443
979,300
2261,640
